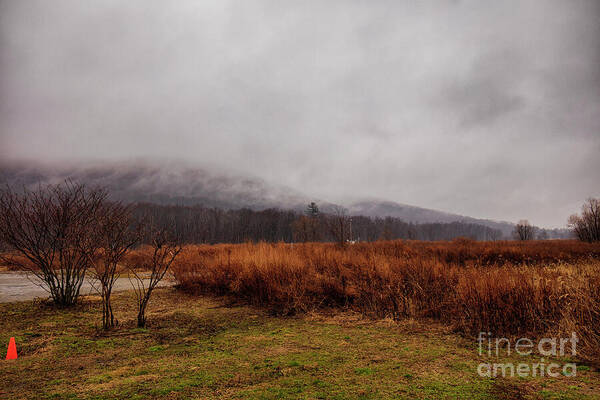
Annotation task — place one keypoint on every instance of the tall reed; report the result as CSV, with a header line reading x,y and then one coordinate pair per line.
x,y
507,288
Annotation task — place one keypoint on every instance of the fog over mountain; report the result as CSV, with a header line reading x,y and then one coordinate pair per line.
x,y
481,108
175,183
161,183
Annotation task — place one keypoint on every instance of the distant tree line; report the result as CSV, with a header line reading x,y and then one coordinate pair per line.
x,y
198,224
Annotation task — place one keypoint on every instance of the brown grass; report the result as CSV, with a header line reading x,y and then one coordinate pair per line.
x,y
508,288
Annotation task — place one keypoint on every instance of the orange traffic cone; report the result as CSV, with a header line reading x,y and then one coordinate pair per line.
x,y
11,354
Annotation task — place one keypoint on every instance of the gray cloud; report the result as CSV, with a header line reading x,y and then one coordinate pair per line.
x,y
484,108
488,91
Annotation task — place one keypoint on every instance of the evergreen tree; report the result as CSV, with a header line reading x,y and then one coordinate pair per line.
x,y
312,210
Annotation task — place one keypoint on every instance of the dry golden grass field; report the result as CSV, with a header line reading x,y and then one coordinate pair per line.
x,y
316,321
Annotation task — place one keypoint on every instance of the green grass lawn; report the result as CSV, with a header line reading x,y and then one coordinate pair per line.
x,y
202,348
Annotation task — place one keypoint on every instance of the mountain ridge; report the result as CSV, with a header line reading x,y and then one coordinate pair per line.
x,y
180,184
409,213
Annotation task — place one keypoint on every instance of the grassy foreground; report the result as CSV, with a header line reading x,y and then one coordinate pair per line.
x,y
202,348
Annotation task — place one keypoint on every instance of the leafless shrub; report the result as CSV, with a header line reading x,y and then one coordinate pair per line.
x,y
115,234
47,232
147,269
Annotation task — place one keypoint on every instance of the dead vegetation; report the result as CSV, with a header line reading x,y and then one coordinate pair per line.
x,y
508,288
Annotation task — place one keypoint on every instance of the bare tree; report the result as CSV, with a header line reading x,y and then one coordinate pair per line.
x,y
301,229
586,226
339,225
115,234
164,248
523,230
49,228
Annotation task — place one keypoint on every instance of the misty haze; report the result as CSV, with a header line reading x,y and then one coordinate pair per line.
x,y
299,199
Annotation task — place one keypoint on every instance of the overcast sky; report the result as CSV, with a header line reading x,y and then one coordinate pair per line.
x,y
483,108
